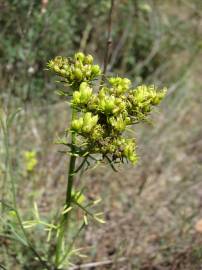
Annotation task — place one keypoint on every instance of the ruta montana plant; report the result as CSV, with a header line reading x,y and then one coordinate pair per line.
x,y
102,112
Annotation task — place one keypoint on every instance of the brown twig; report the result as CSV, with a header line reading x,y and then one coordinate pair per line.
x,y
96,264
109,39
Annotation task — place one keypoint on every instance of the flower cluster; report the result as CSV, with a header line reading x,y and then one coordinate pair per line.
x,y
75,70
103,116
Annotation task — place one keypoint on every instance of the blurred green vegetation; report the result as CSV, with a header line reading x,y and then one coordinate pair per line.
x,y
153,41
147,35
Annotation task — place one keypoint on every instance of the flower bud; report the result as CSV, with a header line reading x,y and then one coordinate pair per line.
x,y
120,86
89,122
58,60
88,73
120,105
95,70
118,123
158,97
71,77
76,98
51,64
126,82
79,56
88,59
82,96
66,67
56,68
77,124
63,72
86,92
102,93
78,74
129,151
107,104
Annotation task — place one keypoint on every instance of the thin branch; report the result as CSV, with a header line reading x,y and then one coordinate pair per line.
x,y
96,264
109,38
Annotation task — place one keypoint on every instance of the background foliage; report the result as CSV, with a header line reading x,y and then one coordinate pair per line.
x,y
153,41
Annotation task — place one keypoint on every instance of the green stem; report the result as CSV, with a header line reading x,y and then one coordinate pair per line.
x,y
63,226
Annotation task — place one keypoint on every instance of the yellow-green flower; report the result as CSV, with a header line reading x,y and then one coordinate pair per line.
x,y
79,56
89,121
119,85
129,151
82,96
30,160
77,125
118,123
88,59
107,104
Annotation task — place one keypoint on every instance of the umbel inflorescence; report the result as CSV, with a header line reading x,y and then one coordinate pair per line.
x,y
103,110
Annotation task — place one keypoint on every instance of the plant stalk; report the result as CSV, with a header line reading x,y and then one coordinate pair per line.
x,y
63,226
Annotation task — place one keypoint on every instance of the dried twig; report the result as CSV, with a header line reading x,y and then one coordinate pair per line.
x,y
96,264
109,38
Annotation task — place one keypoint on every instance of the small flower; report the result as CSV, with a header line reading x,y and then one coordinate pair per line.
x,y
88,59
118,123
120,105
142,98
77,124
96,71
82,96
89,121
78,74
107,104
119,85
129,151
79,56
30,160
